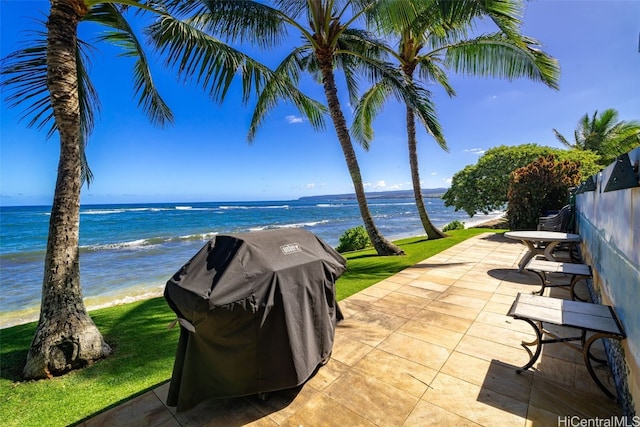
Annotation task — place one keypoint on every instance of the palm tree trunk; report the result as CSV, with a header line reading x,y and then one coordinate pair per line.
x,y
381,245
429,228
66,337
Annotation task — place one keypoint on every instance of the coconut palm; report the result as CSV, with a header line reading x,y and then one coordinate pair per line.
x,y
330,39
438,40
604,135
50,79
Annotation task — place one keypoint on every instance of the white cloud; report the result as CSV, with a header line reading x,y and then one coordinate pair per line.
x,y
294,119
381,184
478,151
366,184
447,180
311,186
434,173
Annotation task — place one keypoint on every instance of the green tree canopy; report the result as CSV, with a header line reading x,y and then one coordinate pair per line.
x,y
483,187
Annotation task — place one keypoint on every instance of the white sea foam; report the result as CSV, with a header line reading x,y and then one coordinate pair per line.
x,y
243,207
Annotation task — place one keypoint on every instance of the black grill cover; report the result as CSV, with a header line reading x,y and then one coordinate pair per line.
x,y
257,313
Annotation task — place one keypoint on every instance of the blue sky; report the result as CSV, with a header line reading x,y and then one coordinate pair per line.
x,y
205,156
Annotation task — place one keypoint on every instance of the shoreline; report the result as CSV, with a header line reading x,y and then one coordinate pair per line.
x,y
129,295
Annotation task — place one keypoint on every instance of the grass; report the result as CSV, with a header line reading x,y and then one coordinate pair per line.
x,y
144,348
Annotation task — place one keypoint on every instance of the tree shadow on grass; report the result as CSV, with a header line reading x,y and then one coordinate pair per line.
x,y
15,342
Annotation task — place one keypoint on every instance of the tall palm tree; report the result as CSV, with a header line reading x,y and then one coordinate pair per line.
x,y
330,40
604,135
438,40
49,77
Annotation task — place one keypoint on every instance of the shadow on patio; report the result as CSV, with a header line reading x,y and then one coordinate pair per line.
x,y
430,345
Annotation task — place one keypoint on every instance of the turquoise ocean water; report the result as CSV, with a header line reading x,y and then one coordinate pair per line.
x,y
129,251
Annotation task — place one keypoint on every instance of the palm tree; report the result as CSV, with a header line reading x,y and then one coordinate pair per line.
x,y
330,40
604,135
50,78
437,40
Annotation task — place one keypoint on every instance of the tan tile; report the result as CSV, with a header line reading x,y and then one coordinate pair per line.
x,y
488,350
380,319
470,293
375,292
360,298
463,301
495,307
399,279
426,284
363,331
506,322
347,350
415,350
541,417
430,277
431,333
454,309
475,403
146,409
323,411
491,375
502,299
499,335
280,405
386,284
373,399
214,412
556,369
392,304
474,285
425,295
446,321
427,414
400,373
327,374
567,401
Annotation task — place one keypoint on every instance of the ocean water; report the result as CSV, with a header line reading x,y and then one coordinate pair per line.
x,y
128,252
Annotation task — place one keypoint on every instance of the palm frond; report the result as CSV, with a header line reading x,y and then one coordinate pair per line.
x,y
243,21
26,87
501,56
282,86
562,139
123,36
430,71
367,109
407,92
197,56
24,81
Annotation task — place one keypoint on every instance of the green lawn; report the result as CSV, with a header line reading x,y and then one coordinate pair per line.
x,y
144,349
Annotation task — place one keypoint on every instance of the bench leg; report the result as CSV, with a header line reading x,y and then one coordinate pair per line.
x,y
537,342
543,281
587,361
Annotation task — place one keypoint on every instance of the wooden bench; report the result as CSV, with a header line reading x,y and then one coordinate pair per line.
x,y
598,320
577,272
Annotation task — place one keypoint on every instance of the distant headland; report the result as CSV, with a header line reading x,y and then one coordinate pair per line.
x,y
398,194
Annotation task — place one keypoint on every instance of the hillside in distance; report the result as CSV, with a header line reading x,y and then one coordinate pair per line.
x,y
399,194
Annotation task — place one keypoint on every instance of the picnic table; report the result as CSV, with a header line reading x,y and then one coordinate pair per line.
x,y
596,319
549,240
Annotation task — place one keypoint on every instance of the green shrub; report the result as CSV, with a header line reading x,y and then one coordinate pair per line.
x,y
540,186
354,239
453,225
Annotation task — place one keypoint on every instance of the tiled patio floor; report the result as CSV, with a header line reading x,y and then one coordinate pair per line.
x,y
430,345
